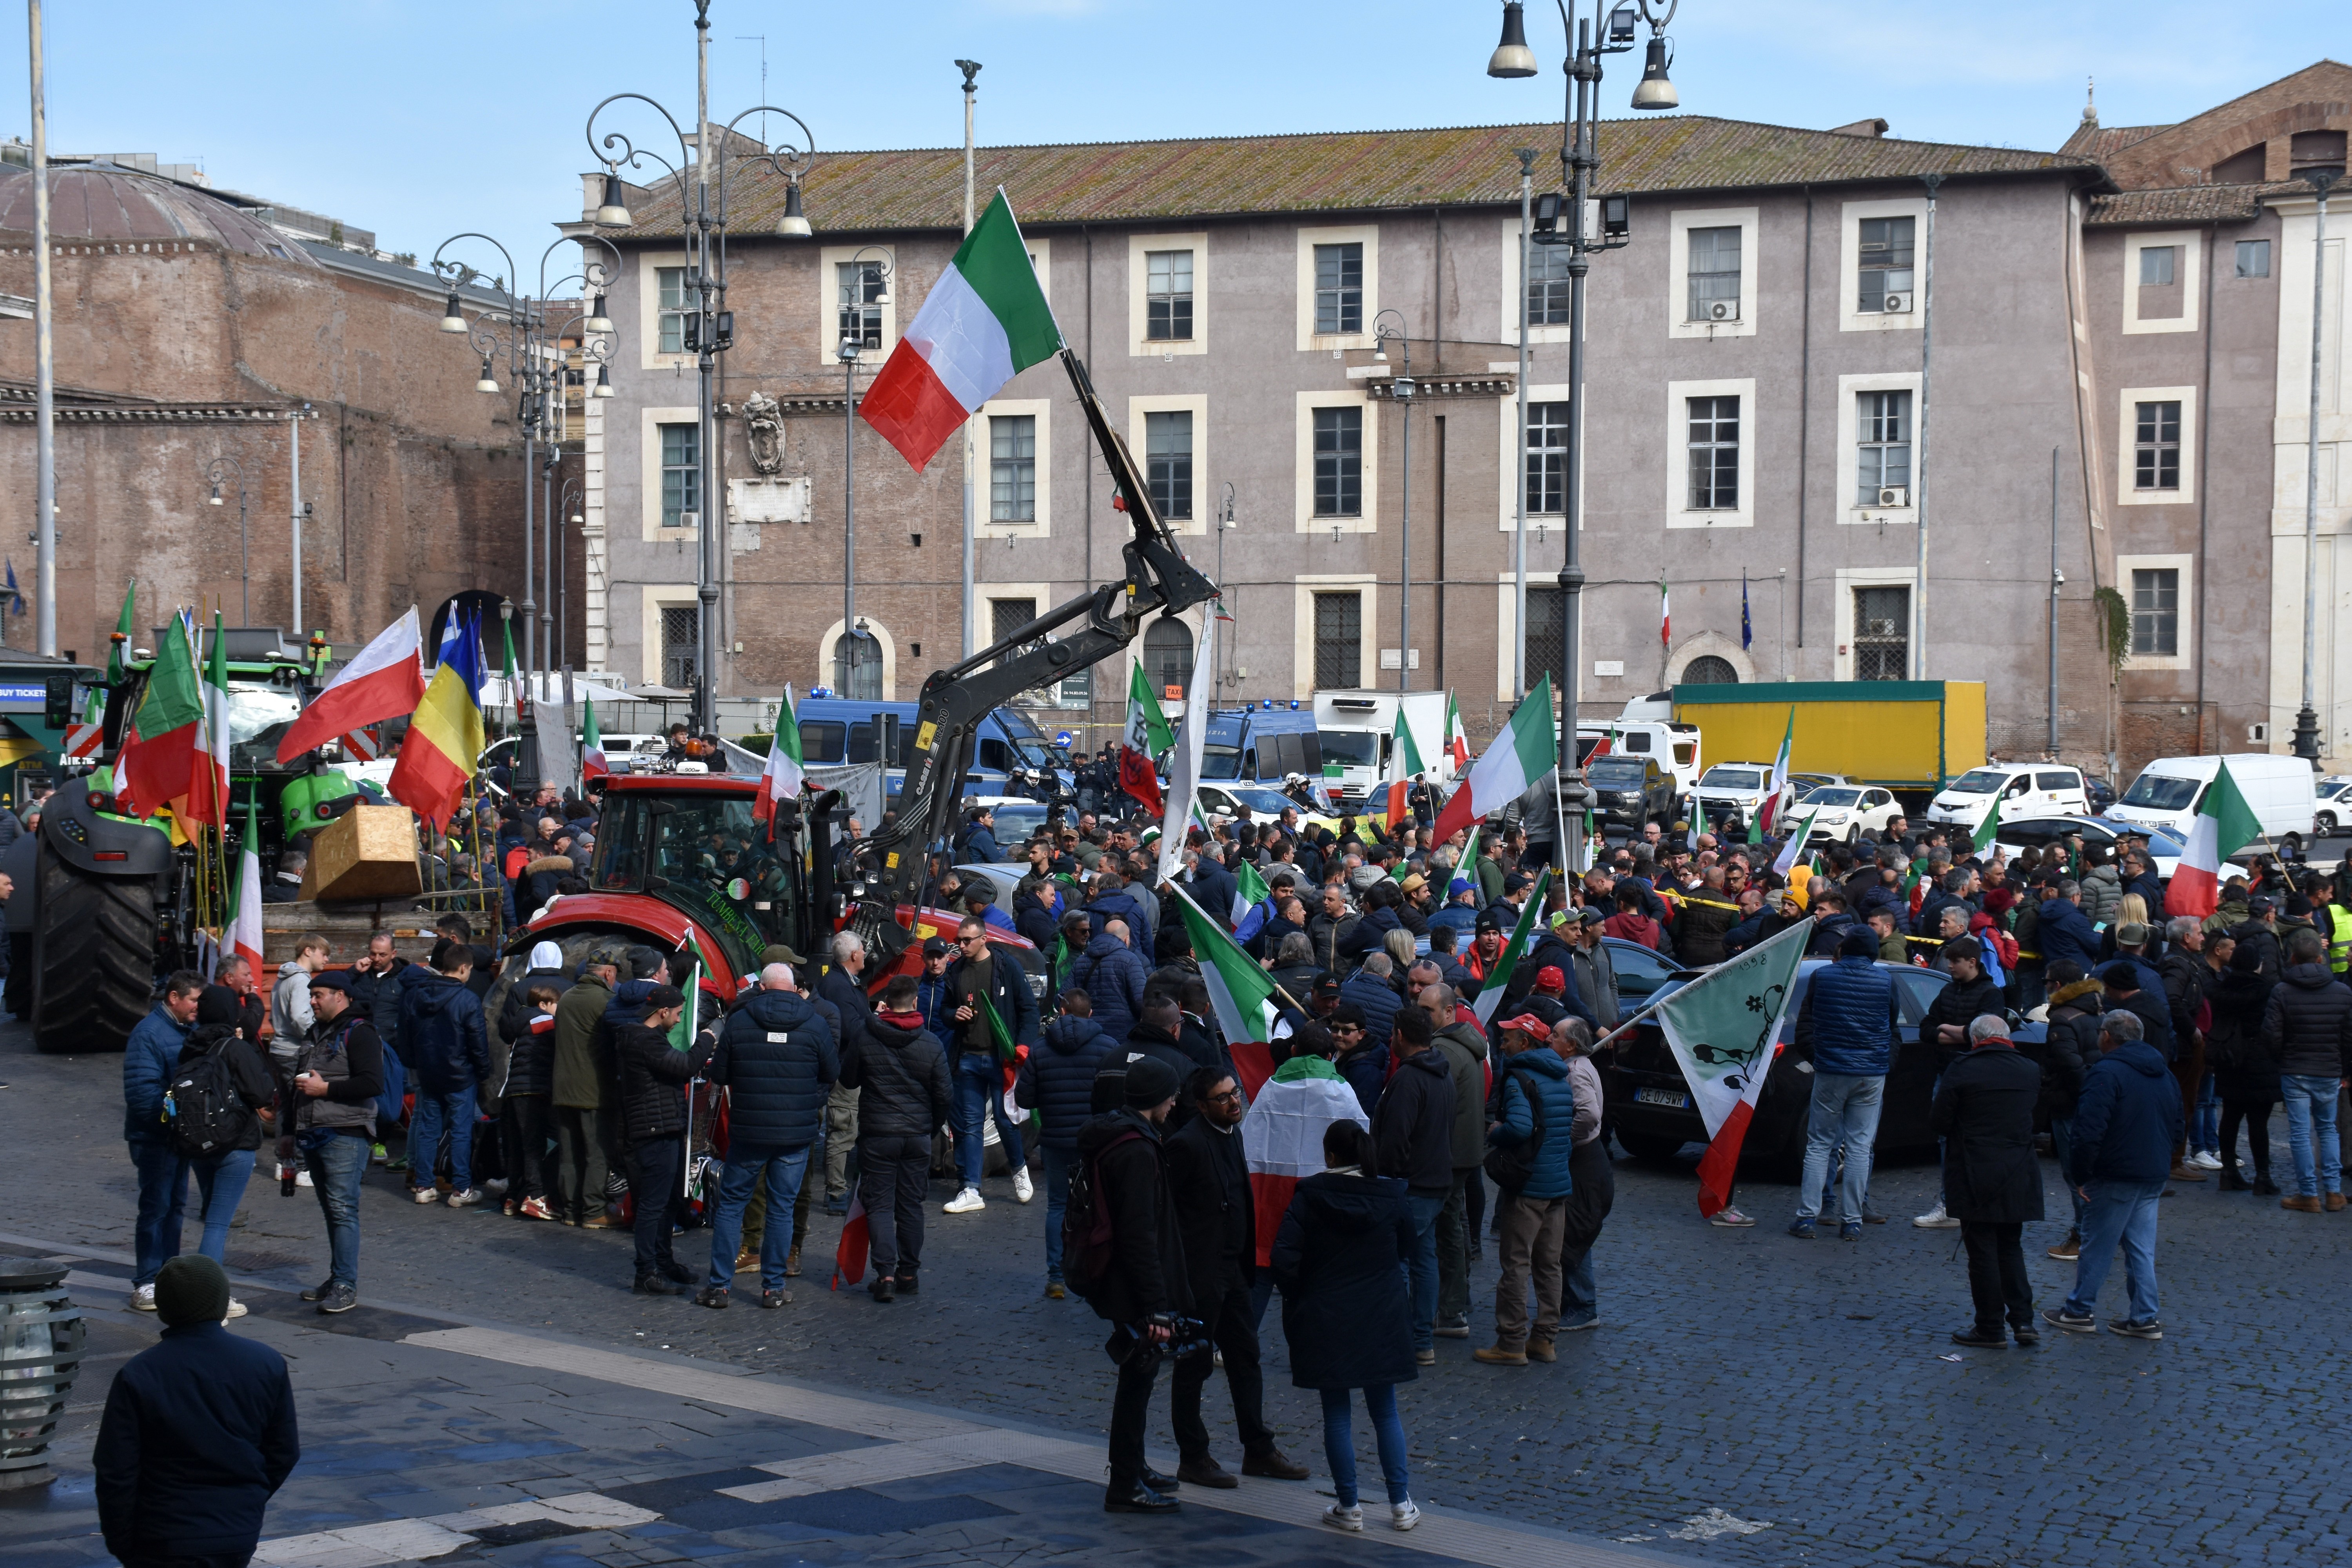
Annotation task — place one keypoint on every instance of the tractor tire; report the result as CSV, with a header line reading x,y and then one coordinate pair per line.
x,y
93,958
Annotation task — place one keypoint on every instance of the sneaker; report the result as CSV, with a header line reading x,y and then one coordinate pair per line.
x,y
2026,1335
425,1195
908,1284
1850,1231
1403,1515
143,1298
967,1201
1578,1324
1937,1219
2076,1322
495,1185
303,1176
1024,1189
235,1308
2207,1159
2150,1330
466,1199
318,1292
771,1300
1871,1216
657,1285
1974,1339
1424,1358
711,1296
1056,1292
376,1156
1730,1219
1802,1228
535,1208
1495,1355
1348,1517
2069,1249
1452,1329
399,1164
340,1298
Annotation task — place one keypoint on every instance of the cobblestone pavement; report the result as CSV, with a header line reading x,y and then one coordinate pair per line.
x,y
1808,1386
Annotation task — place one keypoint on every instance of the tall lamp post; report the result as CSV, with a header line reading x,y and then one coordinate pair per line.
x,y
1401,387
1580,161
222,467
708,328
2306,721
873,288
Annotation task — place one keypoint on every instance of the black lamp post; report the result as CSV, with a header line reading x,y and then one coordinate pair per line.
x,y
222,467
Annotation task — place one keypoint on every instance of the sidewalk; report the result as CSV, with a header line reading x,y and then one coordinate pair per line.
x,y
427,1438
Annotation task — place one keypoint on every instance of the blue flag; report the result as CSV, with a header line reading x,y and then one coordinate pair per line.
x,y
1746,632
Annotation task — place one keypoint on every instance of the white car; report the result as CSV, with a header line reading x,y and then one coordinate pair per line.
x,y
2024,789
1848,811
2334,799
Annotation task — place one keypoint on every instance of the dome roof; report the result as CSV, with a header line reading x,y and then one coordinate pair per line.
x,y
105,204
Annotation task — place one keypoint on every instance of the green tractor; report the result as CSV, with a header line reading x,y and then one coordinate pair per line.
x,y
115,898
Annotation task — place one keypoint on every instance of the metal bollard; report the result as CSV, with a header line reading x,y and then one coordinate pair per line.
x,y
41,1335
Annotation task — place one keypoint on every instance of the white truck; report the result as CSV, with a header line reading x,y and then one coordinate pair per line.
x,y
2282,792
1356,728
1674,745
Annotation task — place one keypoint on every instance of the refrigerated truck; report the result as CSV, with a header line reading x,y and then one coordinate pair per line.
x,y
1908,736
1356,728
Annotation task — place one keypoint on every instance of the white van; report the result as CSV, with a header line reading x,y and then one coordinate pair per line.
x,y
2025,790
1675,746
2282,791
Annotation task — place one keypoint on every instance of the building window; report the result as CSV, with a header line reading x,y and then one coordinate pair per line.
x,y
2253,258
861,310
1714,453
1882,634
1540,638
1882,446
1168,295
2155,462
1167,655
2156,263
1548,289
1339,462
1339,640
1885,255
1168,461
681,475
677,646
857,665
1708,670
1006,616
2156,612
1013,468
1714,272
670,323
1548,457
1339,289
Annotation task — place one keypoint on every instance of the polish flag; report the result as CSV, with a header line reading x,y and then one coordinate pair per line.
x,y
386,681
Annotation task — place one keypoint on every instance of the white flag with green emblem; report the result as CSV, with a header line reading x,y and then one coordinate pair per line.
x,y
781,779
1723,1028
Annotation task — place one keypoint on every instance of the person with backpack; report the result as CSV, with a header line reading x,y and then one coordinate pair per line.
x,y
1532,1139
148,1061
1123,1254
1340,1258
220,1092
329,1122
1058,1080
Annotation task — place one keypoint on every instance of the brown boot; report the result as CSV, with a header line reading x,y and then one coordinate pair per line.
x,y
2334,1201
1540,1349
2300,1204
1497,1355
2182,1172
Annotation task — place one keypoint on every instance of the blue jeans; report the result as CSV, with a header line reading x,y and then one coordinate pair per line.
x,y
220,1186
2205,1131
336,1166
1422,1273
1339,1441
2311,1108
2061,1144
1059,1163
162,1198
1845,1108
449,1115
980,1093
2119,1212
747,1164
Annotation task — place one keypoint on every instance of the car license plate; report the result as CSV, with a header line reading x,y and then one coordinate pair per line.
x,y
1662,1097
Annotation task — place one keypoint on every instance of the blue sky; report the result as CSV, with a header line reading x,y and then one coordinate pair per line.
x,y
423,117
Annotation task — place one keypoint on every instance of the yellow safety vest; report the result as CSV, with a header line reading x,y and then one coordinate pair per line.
x,y
2339,937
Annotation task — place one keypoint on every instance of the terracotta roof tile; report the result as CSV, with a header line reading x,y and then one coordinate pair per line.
x,y
2186,204
1128,182
2103,142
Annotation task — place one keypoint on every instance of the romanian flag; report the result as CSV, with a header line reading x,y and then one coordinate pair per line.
x,y
445,736
159,753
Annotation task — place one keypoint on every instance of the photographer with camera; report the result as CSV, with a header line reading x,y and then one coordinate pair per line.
x,y
1128,1263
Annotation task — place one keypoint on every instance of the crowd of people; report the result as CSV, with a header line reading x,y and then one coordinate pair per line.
x,y
1443,1119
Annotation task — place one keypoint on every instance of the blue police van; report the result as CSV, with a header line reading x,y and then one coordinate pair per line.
x,y
841,730
1261,743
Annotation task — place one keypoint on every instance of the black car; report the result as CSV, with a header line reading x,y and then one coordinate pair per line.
x,y
1651,1112
1629,791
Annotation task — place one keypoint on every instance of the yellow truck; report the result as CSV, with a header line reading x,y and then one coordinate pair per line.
x,y
1909,736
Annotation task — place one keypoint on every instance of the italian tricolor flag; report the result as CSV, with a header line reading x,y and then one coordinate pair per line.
x,y
1241,991
1723,1029
983,322
1282,1136
208,778
1404,761
244,897
159,754
1520,758
1785,861
1457,738
593,765
781,779
2225,824
1146,736
1490,991
1768,808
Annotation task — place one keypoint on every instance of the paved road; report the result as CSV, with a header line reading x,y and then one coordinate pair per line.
x,y
1802,1385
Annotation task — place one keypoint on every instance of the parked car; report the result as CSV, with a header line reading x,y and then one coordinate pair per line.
x,y
1629,791
1802,786
1848,811
2038,832
2024,789
1220,803
2333,806
1640,971
1649,1109
1730,794
2102,794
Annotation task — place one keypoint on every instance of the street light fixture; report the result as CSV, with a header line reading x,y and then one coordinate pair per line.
x,y
1512,57
221,470
2306,719
793,225
614,211
452,320
598,321
489,381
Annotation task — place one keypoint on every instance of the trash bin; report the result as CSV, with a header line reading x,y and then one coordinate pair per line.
x,y
41,1335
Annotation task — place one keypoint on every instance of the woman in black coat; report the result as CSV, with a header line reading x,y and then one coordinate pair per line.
x,y
1340,1259
2245,1072
1992,1182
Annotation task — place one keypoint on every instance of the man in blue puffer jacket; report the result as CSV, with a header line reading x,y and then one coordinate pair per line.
x,y
1534,1101
1058,1081
149,1061
1112,974
2128,1121
2065,931
443,1030
778,1058
1847,1027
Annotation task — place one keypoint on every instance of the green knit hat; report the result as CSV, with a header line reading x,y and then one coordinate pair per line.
x,y
191,1288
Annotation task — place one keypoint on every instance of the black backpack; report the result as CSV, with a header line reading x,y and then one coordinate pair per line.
x,y
1085,1224
1510,1165
206,1113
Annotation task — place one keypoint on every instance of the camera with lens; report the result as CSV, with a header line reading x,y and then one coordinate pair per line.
x,y
1187,1338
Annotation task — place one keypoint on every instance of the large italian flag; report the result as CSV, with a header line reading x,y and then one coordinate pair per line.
x,y
1723,1029
1282,1136
159,755
781,779
1490,989
2225,824
1404,766
1519,757
208,778
1241,991
244,934
983,322
1146,736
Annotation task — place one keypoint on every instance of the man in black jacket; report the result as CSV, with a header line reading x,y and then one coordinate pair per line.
x,y
1992,1182
997,972
1216,1216
843,985
901,1077
778,1059
1144,1287
652,1106
1413,1137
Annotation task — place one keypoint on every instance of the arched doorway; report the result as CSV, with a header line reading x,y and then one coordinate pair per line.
x,y
1708,670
